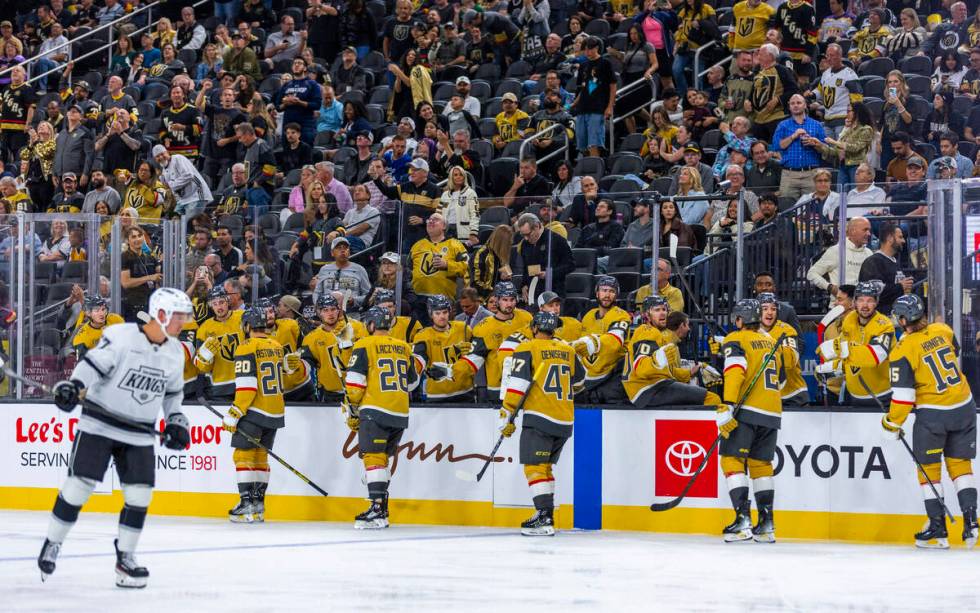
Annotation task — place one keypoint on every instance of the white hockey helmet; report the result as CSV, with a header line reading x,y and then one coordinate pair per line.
x,y
170,301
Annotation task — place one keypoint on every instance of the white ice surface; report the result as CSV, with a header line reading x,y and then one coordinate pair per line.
x,y
211,565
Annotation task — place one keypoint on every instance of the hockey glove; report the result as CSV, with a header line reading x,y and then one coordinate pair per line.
x,y
726,421
507,426
890,430
714,344
345,340
834,348
830,368
230,421
176,434
291,362
207,351
353,422
440,371
587,346
66,395
667,356
352,418
710,375
464,347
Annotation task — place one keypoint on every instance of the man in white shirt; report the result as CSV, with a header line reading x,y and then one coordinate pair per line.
x,y
361,222
824,272
53,52
838,87
189,188
470,104
866,198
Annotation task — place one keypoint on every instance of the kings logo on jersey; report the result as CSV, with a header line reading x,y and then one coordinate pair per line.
x,y
144,383
679,448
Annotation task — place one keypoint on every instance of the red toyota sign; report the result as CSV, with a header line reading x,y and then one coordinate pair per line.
x,y
681,445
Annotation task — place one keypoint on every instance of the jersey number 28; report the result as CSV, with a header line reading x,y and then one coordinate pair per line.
x,y
394,375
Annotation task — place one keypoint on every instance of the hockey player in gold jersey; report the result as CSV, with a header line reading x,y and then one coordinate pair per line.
x,y
571,328
795,392
323,351
297,381
749,438
218,338
548,372
652,372
862,348
380,377
437,351
491,337
97,318
257,410
404,327
926,378
611,325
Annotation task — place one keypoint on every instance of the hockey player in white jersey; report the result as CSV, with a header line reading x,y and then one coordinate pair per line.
x,y
134,372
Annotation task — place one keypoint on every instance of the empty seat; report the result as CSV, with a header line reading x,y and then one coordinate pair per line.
x,y
625,259
584,260
579,285
75,272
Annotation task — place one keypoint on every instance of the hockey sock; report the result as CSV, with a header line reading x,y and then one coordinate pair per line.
x,y
933,470
961,473
376,474
762,484
70,499
542,483
737,480
133,515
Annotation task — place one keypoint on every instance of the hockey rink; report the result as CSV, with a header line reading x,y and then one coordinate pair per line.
x,y
211,565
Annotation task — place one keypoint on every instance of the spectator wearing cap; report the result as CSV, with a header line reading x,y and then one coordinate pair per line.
x,y
342,275
295,153
241,58
511,123
67,200
179,174
902,153
639,234
909,197
348,75
419,196
949,147
390,269
692,159
470,104
406,129
594,99
75,147
798,138
356,168
737,138
450,52
528,188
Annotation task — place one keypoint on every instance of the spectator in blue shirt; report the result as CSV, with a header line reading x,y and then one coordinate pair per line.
x,y
299,99
331,112
796,138
949,147
397,158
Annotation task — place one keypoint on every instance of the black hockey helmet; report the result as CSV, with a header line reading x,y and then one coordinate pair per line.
x,y
383,295
94,301
546,322
749,309
439,302
607,281
652,302
254,318
379,316
325,301
218,291
909,307
264,304
766,298
868,288
505,289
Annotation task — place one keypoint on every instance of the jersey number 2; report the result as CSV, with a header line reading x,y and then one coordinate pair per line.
x,y
943,367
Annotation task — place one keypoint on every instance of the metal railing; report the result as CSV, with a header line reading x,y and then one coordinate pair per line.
x,y
537,135
620,93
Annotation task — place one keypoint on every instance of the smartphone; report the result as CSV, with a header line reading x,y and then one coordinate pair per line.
x,y
892,91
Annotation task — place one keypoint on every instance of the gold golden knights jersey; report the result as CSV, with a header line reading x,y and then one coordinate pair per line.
x,y
287,334
744,352
868,348
492,343
187,338
380,376
641,371
433,346
750,25
400,328
427,280
790,351
570,330
87,336
549,373
321,350
258,382
612,330
221,370
926,375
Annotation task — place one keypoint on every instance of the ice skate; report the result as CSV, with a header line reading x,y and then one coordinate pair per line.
x,y
740,529
764,531
244,513
542,523
375,518
258,503
46,561
933,535
970,528
128,572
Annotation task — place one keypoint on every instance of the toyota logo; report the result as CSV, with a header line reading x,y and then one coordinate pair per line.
x,y
683,457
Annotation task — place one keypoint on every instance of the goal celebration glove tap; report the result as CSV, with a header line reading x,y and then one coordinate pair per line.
x,y
834,348
208,350
291,362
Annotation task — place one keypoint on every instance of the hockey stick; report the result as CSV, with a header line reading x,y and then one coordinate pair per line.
x,y
204,403
901,437
468,476
86,404
670,504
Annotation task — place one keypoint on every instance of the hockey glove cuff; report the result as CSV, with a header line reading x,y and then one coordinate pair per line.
x,y
176,434
830,368
66,395
726,421
890,430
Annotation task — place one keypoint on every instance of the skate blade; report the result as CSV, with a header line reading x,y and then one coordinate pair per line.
x,y
44,576
241,519
942,543
970,540
124,580
371,524
768,537
738,537
545,531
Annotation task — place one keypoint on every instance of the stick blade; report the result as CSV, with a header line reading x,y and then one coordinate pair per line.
x,y
463,475
658,507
